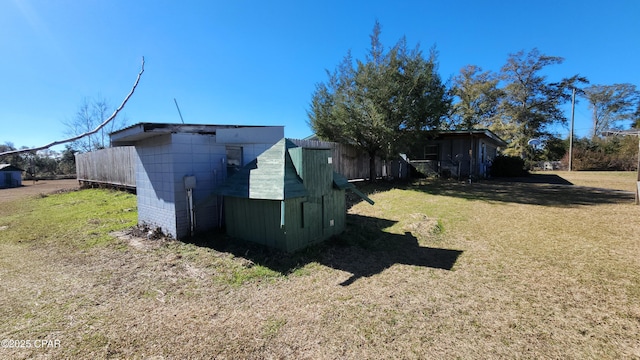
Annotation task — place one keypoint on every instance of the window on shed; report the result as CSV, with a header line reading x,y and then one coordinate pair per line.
x,y
431,152
234,159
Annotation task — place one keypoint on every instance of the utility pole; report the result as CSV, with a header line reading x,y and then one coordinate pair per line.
x,y
573,108
638,178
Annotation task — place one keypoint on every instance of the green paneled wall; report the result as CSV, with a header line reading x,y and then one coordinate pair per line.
x,y
313,210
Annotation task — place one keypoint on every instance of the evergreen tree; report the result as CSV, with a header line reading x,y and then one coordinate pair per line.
x,y
477,95
379,104
531,103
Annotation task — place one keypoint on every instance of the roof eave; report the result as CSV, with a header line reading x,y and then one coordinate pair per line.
x,y
141,131
486,132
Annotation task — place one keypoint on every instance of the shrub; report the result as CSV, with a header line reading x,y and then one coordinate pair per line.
x,y
508,166
619,154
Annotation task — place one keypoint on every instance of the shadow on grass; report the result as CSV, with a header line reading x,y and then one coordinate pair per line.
x,y
536,189
364,249
549,179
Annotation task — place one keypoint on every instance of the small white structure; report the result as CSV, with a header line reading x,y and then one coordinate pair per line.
x,y
10,176
179,165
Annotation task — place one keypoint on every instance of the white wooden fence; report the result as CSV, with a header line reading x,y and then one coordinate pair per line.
x,y
110,166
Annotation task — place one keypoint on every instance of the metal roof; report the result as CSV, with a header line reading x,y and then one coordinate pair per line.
x,y
9,167
614,132
481,132
130,135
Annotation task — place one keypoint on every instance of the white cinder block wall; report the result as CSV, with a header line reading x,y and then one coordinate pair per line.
x,y
200,156
154,183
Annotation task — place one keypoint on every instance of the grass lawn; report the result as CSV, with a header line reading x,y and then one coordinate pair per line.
x,y
435,269
619,180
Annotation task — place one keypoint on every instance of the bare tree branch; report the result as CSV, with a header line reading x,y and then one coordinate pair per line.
x,y
104,123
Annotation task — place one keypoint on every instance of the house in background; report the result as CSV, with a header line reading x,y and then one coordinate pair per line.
x,y
288,198
457,153
178,166
10,176
353,162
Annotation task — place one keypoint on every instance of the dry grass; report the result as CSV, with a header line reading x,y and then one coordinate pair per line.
x,y
433,270
618,180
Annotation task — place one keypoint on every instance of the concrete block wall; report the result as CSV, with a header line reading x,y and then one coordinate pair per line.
x,y
154,182
199,156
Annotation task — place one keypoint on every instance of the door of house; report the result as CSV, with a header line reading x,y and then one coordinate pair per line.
x,y
431,156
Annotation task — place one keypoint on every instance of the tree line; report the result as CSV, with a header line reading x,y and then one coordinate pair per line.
x,y
51,164
391,99
41,164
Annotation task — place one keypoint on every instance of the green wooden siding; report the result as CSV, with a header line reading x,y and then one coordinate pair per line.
x,y
314,169
312,213
306,222
334,217
272,176
298,181
255,220
294,230
267,179
293,185
295,154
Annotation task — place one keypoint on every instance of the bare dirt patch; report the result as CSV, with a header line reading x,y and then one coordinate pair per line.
x,y
141,238
44,187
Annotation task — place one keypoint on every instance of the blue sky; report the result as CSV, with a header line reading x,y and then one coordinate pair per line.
x,y
257,62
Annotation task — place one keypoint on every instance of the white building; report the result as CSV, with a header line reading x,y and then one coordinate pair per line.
x,y
179,165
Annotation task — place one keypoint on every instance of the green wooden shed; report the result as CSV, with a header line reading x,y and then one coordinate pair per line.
x,y
288,198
